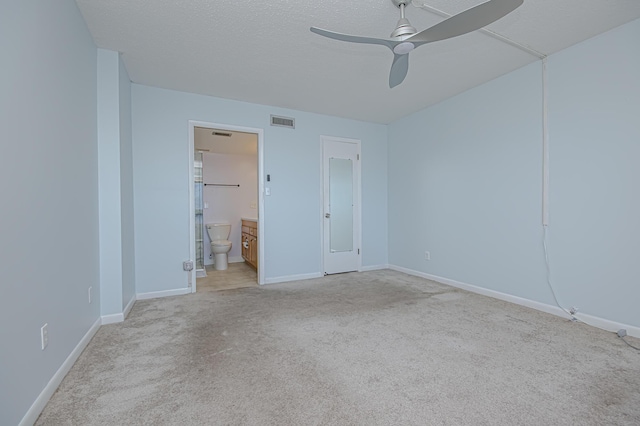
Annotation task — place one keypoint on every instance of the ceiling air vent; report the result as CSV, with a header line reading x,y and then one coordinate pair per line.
x,y
226,135
283,122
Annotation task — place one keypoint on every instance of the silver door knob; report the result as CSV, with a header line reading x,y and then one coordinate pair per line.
x,y
327,215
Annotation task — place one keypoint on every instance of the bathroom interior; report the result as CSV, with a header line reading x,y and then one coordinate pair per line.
x,y
226,208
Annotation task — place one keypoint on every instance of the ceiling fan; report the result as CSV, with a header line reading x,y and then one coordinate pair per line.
x,y
405,38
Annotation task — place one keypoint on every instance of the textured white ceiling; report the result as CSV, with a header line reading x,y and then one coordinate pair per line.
x,y
263,52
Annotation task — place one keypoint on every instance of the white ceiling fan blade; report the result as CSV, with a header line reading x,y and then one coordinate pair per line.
x,y
354,39
399,70
467,21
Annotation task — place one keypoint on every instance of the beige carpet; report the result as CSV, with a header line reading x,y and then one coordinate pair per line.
x,y
374,348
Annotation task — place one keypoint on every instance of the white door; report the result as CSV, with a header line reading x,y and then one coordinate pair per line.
x,y
341,204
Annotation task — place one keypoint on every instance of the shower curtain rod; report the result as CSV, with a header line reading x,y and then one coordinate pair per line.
x,y
220,184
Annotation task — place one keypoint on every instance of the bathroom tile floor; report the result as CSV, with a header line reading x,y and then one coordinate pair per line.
x,y
237,275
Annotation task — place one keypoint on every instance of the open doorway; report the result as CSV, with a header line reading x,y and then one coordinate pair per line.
x,y
226,205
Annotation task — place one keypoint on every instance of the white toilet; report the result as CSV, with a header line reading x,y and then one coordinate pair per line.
x,y
220,245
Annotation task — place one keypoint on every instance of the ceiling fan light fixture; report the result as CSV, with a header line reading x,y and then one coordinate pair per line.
x,y
403,48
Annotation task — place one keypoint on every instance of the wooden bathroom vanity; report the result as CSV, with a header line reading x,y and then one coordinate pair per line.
x,y
250,242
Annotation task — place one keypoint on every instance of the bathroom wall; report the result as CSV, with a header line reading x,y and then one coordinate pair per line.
x,y
229,204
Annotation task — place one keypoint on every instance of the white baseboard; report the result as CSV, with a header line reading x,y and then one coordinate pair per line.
x,y
127,308
288,278
373,268
42,399
591,320
165,293
608,325
112,318
119,317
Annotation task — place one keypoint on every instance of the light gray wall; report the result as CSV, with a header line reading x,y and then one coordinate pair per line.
x,y
48,182
292,158
594,202
126,186
115,177
465,182
110,223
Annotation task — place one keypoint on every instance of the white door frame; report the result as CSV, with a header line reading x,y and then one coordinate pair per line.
x,y
192,222
358,196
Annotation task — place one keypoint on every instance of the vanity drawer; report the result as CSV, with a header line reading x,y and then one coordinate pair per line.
x,y
249,227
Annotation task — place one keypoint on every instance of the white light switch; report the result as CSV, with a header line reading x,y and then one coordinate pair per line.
x,y
206,205
267,191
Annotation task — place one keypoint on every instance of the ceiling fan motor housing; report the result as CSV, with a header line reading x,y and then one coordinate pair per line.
x,y
403,30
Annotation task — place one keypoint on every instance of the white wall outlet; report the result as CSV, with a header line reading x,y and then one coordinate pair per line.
x,y
90,294
206,205
187,265
44,336
427,255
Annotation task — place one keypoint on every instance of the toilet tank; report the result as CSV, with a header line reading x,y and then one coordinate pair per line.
x,y
218,231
